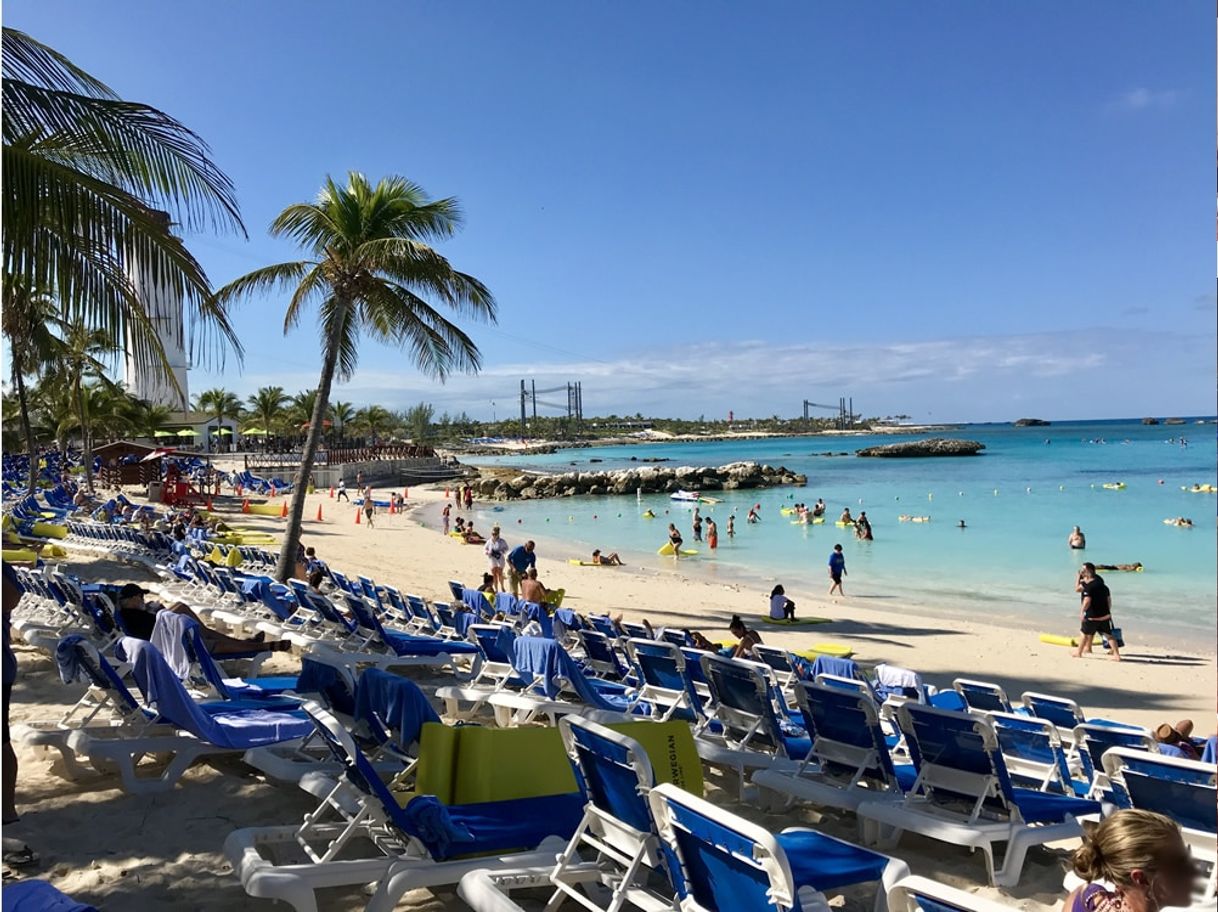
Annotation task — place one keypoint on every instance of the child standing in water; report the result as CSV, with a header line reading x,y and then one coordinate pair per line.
x,y
731,526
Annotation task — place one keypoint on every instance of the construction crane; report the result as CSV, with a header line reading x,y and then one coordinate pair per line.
x,y
844,411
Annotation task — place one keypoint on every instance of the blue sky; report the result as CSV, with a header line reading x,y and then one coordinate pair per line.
x,y
950,210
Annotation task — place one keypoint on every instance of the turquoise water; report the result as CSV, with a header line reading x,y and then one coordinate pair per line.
x,y
1019,501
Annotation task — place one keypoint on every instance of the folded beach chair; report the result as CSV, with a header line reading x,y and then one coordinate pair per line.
x,y
964,795
919,894
1183,790
426,838
722,863
741,730
200,729
850,760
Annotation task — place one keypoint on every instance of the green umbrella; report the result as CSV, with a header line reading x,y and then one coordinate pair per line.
x,y
254,432
187,432
223,432
163,434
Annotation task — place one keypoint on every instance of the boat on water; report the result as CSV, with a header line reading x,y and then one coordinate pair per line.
x,y
686,496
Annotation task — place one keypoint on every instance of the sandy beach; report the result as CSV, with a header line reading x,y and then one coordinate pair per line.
x,y
133,853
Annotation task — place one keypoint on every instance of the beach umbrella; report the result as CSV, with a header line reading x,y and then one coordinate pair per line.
x,y
223,432
187,432
163,434
254,432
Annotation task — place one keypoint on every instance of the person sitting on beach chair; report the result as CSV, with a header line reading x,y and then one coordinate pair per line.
x,y
531,589
139,617
611,559
746,638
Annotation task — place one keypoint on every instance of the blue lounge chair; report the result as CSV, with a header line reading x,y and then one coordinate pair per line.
x,y
1063,713
722,863
1035,756
964,795
1184,790
421,844
599,657
661,670
406,649
850,760
982,696
1091,742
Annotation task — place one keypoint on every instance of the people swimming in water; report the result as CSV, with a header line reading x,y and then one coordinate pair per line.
x,y
1077,540
753,516
862,527
846,518
818,509
1182,521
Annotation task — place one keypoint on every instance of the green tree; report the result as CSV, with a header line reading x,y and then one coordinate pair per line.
x,y
91,183
268,407
28,316
146,418
79,359
372,272
417,422
300,409
373,421
342,414
218,404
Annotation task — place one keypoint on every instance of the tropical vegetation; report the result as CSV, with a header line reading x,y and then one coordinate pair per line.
x,y
370,272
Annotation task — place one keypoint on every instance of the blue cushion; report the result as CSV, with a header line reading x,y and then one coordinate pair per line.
x,y
1043,807
825,864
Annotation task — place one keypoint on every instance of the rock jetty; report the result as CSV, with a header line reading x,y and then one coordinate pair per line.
x,y
931,446
650,480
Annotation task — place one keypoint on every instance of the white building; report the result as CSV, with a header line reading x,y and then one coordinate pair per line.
x,y
164,309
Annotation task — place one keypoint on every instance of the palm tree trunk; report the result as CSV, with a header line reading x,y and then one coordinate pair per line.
x,y
26,428
286,567
86,451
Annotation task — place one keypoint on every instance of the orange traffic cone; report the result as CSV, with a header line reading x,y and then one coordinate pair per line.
x,y
392,507
238,490
331,494
319,519
405,493
447,492
245,505
209,506
283,512
273,491
357,513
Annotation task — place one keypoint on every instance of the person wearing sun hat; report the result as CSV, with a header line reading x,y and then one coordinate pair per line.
x,y
139,617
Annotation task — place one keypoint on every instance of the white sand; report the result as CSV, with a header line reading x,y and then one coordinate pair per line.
x,y
134,853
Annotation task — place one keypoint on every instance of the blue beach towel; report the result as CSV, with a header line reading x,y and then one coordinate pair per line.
x,y
389,699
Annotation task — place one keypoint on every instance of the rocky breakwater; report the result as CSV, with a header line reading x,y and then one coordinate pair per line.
x,y
649,480
930,446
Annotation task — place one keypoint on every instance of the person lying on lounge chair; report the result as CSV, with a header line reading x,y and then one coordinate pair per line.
x,y
139,617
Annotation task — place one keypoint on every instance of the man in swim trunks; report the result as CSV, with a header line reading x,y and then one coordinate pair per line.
x,y
837,569
1077,540
1095,614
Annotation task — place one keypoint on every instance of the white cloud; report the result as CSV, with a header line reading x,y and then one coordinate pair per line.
x,y
1054,374
1142,98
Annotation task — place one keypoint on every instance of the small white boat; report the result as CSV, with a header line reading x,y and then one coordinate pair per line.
x,y
687,496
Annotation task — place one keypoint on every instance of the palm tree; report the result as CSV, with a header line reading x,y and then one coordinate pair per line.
x,y
342,414
371,272
146,418
218,404
267,407
78,360
300,409
373,420
28,316
90,185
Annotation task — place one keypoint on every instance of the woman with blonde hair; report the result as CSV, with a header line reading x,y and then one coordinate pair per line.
x,y
1142,856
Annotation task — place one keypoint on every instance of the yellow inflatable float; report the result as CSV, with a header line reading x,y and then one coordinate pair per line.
x,y
836,650
667,551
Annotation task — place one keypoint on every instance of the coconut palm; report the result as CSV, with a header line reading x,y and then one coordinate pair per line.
x,y
146,418
301,406
371,272
80,357
373,421
91,183
267,407
342,414
28,316
218,404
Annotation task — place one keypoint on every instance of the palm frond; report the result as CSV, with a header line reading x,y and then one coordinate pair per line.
x,y
28,59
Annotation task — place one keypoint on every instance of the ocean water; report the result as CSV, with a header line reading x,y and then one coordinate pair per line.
x,y
1019,501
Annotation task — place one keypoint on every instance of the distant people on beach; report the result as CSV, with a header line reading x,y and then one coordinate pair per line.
x,y
496,553
1077,539
731,526
674,539
472,537
1095,613
712,534
697,525
746,638
359,479
446,515
837,569
341,493
753,516
519,560
609,560
369,509
781,607
469,497
1132,860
